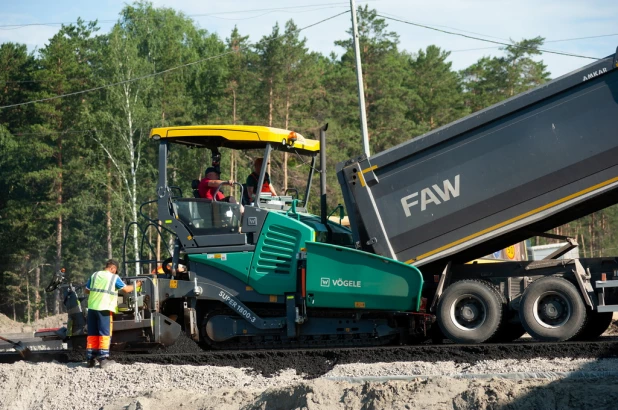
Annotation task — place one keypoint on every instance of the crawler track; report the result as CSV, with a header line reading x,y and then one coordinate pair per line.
x,y
315,362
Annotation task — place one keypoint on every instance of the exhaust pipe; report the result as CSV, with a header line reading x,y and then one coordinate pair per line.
x,y
323,210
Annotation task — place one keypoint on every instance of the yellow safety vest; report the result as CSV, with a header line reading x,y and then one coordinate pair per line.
x,y
103,294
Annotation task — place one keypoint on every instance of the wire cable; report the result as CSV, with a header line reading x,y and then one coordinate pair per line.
x,y
312,7
486,40
160,72
546,41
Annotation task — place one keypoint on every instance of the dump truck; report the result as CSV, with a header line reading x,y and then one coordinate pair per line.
x,y
277,276
499,176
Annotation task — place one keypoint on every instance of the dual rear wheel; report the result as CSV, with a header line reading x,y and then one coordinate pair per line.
x,y
551,310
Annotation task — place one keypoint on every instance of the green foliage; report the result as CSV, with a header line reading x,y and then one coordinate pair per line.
x,y
491,80
438,99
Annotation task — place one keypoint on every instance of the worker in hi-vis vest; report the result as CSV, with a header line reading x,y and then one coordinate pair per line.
x,y
103,289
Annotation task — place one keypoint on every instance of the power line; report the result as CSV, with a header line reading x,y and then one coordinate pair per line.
x,y
160,72
546,41
37,81
453,28
21,134
311,7
483,39
505,39
582,38
274,11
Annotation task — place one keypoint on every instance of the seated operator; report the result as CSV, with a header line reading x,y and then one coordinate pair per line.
x,y
209,184
253,178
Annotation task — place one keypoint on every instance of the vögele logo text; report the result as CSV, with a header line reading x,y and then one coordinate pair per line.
x,y
347,283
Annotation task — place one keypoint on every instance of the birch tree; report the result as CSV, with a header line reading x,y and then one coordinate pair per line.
x,y
126,122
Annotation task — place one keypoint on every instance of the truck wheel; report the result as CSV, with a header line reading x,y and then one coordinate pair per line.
x,y
469,311
595,326
552,310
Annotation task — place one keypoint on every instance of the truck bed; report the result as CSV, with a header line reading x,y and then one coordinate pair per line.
x,y
528,164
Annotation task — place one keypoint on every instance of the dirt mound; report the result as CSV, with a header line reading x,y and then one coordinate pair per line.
x,y
183,345
51,321
7,323
9,326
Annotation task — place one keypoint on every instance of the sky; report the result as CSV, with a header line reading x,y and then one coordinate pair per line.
x,y
498,20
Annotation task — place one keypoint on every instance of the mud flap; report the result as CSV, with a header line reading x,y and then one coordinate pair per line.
x,y
290,307
191,323
165,330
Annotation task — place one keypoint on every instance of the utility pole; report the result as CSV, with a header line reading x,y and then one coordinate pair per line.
x,y
359,78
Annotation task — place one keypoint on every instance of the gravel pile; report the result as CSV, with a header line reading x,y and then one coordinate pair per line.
x,y
7,325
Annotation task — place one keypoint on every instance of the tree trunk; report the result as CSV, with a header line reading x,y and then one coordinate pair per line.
x,y
134,218
37,294
108,214
46,311
233,106
56,302
59,223
232,156
270,115
28,305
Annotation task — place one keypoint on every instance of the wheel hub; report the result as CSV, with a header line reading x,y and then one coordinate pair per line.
x,y
469,312
552,310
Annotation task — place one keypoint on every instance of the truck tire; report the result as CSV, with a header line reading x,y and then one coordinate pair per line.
x,y
596,324
552,310
469,311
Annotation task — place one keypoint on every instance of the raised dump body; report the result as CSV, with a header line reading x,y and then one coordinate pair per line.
x,y
491,179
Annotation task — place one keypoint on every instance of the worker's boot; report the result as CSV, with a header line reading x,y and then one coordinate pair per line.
x,y
92,363
106,362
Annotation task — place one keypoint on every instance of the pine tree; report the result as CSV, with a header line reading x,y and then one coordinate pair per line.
x,y
437,98
491,80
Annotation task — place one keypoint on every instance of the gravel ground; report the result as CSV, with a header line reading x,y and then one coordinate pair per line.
x,y
450,368
149,386
256,380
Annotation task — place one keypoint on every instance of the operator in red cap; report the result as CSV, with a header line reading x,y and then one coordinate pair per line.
x,y
208,186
